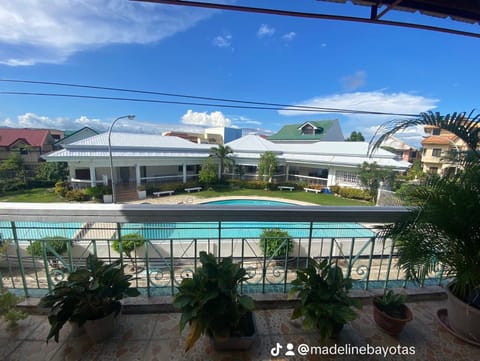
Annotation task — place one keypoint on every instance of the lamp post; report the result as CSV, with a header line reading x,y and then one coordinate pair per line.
x,y
110,152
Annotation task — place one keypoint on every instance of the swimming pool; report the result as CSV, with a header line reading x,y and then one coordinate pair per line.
x,y
37,230
250,230
249,202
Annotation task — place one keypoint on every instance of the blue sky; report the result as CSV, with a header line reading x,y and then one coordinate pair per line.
x,y
222,54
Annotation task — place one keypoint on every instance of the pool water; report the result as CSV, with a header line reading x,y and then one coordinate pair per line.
x,y
37,230
251,230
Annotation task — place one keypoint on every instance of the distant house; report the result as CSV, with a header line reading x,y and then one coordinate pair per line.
x,y
74,136
436,150
29,143
403,150
309,132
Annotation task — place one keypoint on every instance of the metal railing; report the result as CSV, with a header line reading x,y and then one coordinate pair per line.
x,y
175,235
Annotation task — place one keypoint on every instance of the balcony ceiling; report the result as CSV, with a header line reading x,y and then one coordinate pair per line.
x,y
464,11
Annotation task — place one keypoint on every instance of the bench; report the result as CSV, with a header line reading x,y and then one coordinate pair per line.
x,y
158,194
312,190
286,188
194,189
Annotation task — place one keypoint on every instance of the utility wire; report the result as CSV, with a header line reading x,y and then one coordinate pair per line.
x,y
260,105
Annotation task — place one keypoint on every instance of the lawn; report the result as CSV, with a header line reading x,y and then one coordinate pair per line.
x,y
35,195
320,198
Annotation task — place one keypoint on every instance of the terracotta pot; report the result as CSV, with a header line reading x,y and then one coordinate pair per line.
x,y
238,343
391,325
463,318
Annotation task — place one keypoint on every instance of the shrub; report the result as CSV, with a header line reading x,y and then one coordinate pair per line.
x,y
61,188
355,193
275,243
8,307
76,195
95,192
57,243
130,242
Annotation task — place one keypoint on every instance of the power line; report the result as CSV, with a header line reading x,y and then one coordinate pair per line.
x,y
260,105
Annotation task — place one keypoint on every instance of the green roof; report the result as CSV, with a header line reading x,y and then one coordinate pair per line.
x,y
294,131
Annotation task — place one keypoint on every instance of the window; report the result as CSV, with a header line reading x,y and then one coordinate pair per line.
x,y
348,177
436,152
436,131
433,170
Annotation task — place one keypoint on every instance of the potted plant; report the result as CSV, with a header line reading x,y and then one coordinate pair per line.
x,y
141,192
323,295
390,312
90,296
443,230
107,194
8,307
129,243
211,304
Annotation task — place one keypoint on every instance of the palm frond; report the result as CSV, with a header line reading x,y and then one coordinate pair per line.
x,y
465,127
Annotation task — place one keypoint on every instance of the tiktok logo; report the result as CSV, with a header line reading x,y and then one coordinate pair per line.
x,y
275,351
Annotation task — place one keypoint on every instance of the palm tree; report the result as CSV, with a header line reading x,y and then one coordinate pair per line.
x,y
222,153
443,230
465,127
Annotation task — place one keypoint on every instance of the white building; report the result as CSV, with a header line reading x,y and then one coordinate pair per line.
x,y
143,158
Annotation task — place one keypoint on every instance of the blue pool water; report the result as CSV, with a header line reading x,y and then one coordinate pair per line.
x,y
251,230
250,202
37,230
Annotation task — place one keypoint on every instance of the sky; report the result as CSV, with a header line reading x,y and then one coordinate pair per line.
x,y
205,53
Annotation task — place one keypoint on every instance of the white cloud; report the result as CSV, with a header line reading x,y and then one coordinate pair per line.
x,y
214,119
32,120
265,30
223,41
376,101
289,36
35,32
354,81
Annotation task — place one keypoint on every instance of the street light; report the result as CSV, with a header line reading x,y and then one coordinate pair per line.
x,y
110,152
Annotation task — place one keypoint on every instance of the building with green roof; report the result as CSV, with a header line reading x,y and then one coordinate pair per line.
x,y
309,132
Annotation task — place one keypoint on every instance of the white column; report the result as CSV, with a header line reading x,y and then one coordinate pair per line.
x,y
287,170
184,169
137,174
331,176
71,170
93,176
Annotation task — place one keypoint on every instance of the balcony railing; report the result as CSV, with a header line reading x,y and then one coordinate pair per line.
x,y
175,235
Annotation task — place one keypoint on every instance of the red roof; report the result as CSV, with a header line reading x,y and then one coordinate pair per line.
x,y
439,139
34,137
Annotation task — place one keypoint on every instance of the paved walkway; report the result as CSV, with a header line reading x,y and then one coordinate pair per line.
x,y
156,337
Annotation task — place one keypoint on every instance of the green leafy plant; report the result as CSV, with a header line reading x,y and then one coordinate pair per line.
x,y
275,243
443,230
129,243
8,307
54,246
89,293
324,300
210,301
393,304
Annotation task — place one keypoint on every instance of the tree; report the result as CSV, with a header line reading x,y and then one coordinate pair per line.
x,y
267,165
130,242
355,137
371,174
222,153
275,242
208,172
12,172
53,172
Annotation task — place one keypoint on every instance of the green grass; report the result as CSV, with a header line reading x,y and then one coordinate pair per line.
x,y
320,198
35,195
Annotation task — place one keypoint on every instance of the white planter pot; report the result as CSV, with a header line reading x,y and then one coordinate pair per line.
x,y
463,319
142,194
107,198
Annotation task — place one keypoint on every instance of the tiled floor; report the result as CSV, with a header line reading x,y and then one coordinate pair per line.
x,y
156,337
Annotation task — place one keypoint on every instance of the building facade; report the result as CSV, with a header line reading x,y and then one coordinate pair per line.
x,y
142,158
